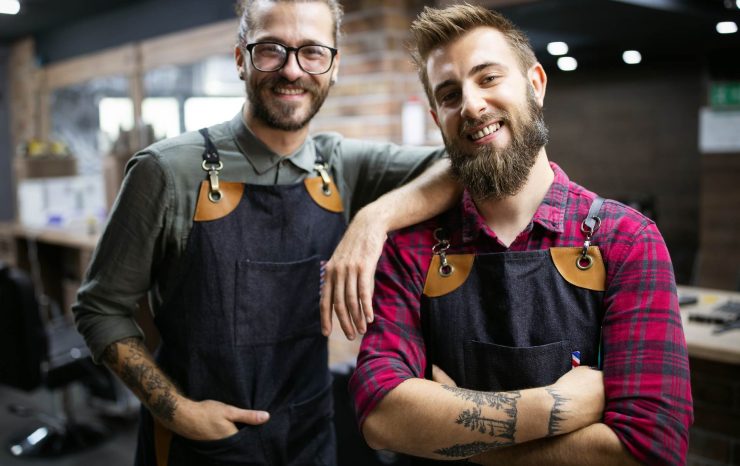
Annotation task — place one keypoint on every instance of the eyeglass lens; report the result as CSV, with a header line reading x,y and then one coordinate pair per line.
x,y
272,57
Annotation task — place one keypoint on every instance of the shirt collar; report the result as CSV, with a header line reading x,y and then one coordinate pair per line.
x,y
550,214
261,157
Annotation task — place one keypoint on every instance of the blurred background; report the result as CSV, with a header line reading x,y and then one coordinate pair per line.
x,y
643,105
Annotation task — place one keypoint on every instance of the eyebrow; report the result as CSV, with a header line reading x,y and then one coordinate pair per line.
x,y
473,70
282,42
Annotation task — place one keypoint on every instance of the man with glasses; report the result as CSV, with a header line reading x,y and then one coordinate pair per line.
x,y
227,230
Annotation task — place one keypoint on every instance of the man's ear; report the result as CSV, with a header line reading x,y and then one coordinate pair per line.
x,y
239,60
538,79
435,118
335,70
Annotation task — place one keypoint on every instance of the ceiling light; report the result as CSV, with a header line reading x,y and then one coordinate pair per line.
x,y
737,4
727,27
567,63
9,7
631,57
559,48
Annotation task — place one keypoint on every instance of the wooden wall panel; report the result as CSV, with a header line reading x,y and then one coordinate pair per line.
x,y
633,134
115,61
719,265
190,46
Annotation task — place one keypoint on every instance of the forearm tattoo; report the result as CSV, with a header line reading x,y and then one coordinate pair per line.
x,y
554,426
502,430
140,373
473,420
466,450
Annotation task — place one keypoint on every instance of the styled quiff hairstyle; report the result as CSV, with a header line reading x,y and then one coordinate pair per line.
x,y
434,28
245,10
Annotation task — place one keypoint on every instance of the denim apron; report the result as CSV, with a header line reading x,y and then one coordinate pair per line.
x,y
513,320
243,325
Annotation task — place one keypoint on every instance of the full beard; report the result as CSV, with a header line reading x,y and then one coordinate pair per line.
x,y
491,173
282,115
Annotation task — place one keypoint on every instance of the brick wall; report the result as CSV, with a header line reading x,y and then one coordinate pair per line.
x,y
24,83
376,75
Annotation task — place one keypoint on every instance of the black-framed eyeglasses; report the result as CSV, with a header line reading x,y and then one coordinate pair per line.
x,y
272,56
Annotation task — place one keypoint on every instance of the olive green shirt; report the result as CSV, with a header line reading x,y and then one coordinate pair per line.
x,y
144,241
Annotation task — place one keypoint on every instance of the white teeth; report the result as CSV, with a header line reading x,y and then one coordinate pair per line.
x,y
281,90
485,131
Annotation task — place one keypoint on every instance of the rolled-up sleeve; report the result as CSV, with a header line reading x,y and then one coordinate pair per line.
x,y
392,350
646,367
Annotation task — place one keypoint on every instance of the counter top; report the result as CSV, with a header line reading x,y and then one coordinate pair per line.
x,y
702,343
57,236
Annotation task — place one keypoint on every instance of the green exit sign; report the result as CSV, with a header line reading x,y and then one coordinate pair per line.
x,y
725,94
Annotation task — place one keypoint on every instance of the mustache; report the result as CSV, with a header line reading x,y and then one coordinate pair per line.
x,y
278,81
484,119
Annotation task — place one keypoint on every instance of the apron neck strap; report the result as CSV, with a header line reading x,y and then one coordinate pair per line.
x,y
322,168
212,165
593,220
210,154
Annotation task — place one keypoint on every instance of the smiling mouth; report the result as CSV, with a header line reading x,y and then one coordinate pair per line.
x,y
492,128
288,91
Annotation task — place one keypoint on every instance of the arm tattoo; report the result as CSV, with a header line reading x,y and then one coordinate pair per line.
x,y
466,450
140,373
503,430
497,400
554,427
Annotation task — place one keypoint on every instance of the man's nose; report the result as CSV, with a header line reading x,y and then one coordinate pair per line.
x,y
473,103
291,71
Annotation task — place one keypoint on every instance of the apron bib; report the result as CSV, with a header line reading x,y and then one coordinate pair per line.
x,y
243,325
513,320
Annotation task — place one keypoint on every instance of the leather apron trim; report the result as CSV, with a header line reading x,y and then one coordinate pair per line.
x,y
332,202
207,210
436,285
162,441
565,261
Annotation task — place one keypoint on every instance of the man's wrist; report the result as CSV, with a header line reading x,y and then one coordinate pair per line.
x,y
536,407
185,414
377,216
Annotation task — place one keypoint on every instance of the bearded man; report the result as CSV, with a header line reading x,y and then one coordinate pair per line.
x,y
483,314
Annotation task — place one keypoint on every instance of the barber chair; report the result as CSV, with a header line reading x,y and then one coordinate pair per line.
x,y
49,354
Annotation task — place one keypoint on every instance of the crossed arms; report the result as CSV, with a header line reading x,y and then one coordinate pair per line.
x,y
435,420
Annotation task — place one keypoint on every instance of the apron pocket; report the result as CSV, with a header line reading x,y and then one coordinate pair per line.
x,y
311,437
242,448
503,368
276,301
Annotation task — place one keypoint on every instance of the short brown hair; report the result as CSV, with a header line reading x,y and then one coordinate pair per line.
x,y
436,27
245,10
